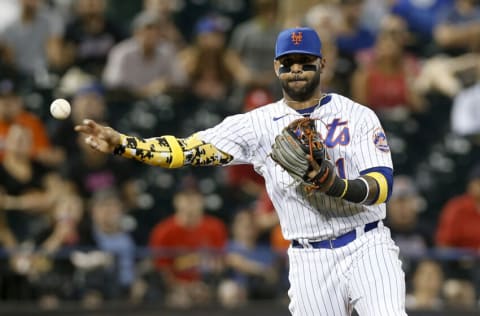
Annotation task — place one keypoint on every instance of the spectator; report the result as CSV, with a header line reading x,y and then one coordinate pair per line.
x,y
460,217
421,18
277,241
265,216
458,31
212,68
32,36
251,39
268,224
459,294
91,36
35,272
426,292
447,76
12,112
71,81
412,235
291,12
458,230
181,243
27,189
91,172
465,116
52,269
106,232
251,266
373,12
390,68
9,70
189,11
169,31
65,217
144,64
88,171
352,37
244,183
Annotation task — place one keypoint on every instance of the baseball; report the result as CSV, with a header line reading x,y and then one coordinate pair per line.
x,y
60,109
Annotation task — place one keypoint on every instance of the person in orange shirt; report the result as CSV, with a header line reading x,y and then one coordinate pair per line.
x,y
188,247
12,112
277,241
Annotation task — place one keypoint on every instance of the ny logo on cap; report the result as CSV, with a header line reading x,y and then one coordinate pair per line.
x,y
297,38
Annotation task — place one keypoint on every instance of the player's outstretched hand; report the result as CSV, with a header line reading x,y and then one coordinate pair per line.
x,y
99,137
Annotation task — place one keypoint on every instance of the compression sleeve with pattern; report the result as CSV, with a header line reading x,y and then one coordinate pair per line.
x,y
170,152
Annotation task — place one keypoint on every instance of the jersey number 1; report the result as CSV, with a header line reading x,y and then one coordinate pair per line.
x,y
340,164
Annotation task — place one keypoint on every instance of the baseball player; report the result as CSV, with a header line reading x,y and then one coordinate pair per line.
x,y
328,180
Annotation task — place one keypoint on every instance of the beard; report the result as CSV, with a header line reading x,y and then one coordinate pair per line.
x,y
303,93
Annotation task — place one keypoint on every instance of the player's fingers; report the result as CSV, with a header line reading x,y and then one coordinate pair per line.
x,y
92,142
83,129
87,127
92,124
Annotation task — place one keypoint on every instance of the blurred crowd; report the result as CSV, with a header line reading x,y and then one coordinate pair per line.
x,y
76,225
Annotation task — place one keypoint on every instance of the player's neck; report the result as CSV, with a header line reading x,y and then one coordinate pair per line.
x,y
300,105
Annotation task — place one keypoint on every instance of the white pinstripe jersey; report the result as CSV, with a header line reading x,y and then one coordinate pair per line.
x,y
355,142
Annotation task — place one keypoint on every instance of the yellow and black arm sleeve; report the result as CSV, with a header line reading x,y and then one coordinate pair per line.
x,y
374,186
170,152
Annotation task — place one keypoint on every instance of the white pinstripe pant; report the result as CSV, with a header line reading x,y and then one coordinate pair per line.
x,y
365,274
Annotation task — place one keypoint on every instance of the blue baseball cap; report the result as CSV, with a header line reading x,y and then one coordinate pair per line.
x,y
299,40
210,24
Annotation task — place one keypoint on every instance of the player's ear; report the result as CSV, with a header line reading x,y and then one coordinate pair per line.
x,y
276,66
322,63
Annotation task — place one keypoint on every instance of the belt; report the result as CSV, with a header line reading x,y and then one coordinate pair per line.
x,y
338,242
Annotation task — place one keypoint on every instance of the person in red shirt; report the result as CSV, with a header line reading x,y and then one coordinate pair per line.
x,y
187,246
385,79
460,217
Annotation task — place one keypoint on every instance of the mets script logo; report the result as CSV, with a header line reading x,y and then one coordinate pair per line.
x,y
297,38
380,140
338,133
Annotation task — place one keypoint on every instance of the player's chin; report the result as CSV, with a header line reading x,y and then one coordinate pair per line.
x,y
297,90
